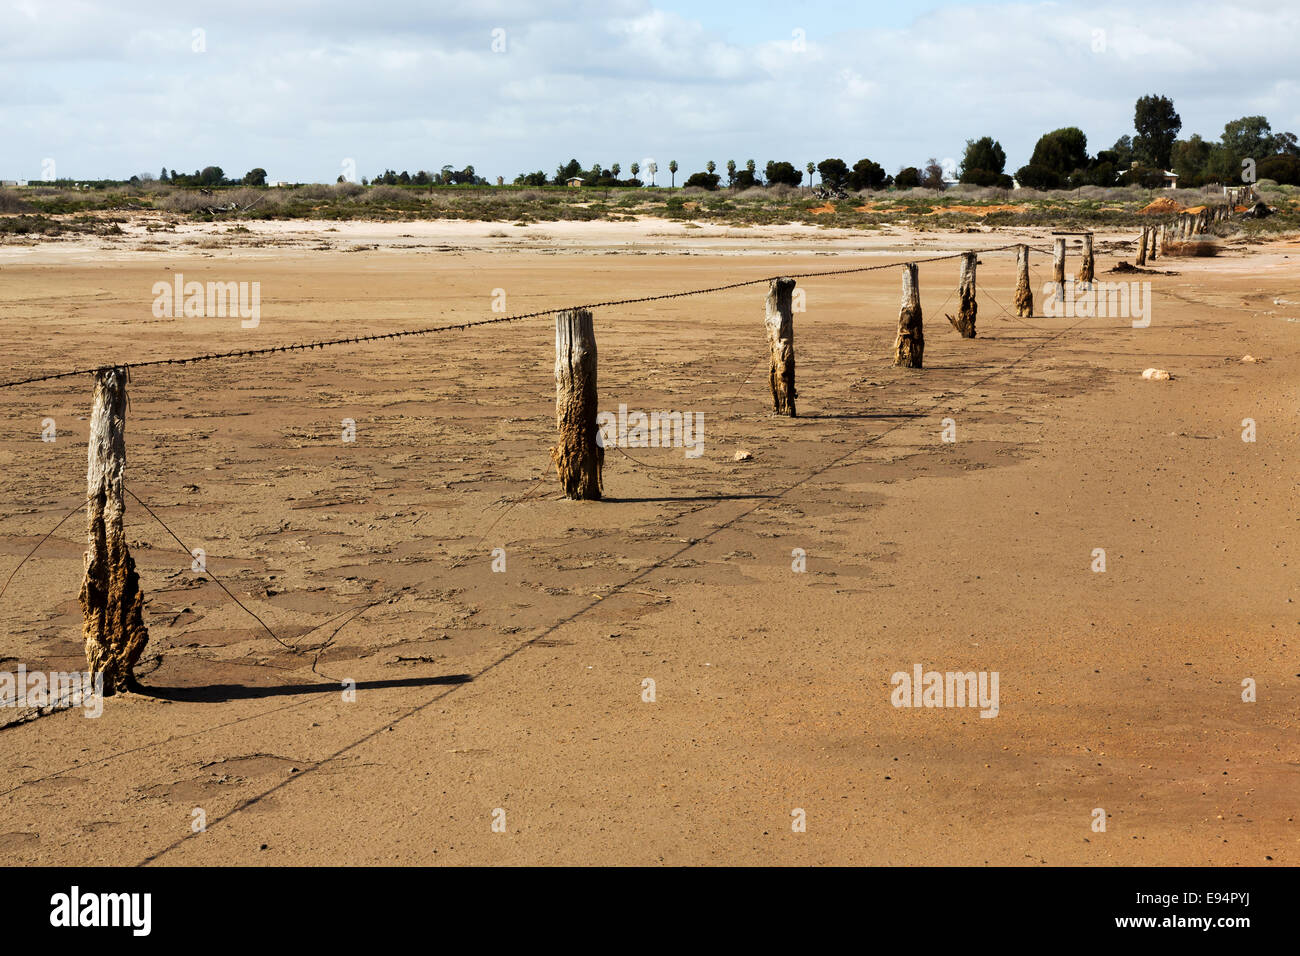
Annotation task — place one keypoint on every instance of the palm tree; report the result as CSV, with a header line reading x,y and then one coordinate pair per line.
x,y
614,169
710,166
672,168
750,166
636,168
731,172
651,168
811,169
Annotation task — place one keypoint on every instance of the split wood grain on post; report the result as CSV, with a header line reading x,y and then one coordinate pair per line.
x,y
579,457
112,603
779,322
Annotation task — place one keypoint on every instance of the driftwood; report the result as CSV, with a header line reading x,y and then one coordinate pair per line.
x,y
909,347
112,604
779,321
579,458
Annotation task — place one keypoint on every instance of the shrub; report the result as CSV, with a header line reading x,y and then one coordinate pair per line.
x,y
908,178
10,201
1038,177
707,181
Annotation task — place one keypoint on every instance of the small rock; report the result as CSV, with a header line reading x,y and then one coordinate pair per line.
x,y
1249,358
1156,375
742,455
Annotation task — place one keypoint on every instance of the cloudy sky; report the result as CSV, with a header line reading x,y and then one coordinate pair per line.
x,y
108,89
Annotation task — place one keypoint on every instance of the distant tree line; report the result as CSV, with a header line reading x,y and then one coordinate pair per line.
x,y
1247,151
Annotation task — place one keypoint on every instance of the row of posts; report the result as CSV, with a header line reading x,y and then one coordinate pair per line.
x,y
112,602
1187,224
579,457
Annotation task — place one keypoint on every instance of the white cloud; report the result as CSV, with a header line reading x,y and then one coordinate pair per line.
x,y
294,87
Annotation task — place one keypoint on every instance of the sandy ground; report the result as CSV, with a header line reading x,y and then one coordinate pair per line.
x,y
517,696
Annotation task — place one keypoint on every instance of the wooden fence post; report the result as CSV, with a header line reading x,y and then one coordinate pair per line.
x,y
1058,268
1024,295
1086,269
967,306
579,458
1153,253
1142,248
909,347
112,604
779,321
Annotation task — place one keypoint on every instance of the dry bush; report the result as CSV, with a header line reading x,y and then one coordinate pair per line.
x,y
1190,248
782,191
10,201
346,190
315,192
692,191
1112,193
752,193
527,195
971,191
384,195
184,201
246,196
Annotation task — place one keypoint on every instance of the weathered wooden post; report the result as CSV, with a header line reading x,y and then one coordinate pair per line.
x,y
579,457
1152,253
909,347
967,307
112,604
1087,267
1142,248
779,321
1024,295
1058,268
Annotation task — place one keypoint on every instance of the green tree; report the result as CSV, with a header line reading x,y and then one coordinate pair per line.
x,y
782,173
1123,150
211,176
834,173
1250,137
1157,125
909,177
615,170
1286,144
867,175
1190,157
984,155
566,172
255,177
707,180
672,169
636,169
162,177
1034,176
1062,151
811,169
1282,168
731,172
